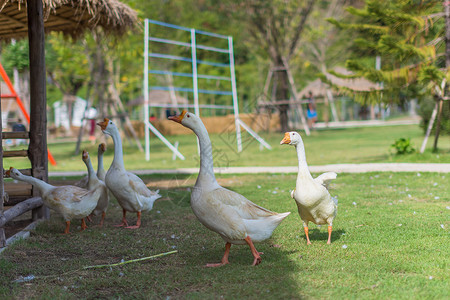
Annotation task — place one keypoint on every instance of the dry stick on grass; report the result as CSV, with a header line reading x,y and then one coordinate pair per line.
x,y
109,265
130,261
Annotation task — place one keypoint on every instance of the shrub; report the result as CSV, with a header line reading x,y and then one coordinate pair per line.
x,y
403,146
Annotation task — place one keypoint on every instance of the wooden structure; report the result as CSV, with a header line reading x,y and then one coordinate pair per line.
x,y
20,18
320,89
296,101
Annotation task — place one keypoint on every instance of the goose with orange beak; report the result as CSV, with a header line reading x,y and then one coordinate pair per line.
x,y
70,201
95,183
235,218
129,190
311,195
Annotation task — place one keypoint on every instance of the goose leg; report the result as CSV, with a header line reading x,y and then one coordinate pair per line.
x,y
103,219
124,220
305,227
66,230
83,224
138,222
255,253
224,258
330,228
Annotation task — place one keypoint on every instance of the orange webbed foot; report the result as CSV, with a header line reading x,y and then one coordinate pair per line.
x,y
257,261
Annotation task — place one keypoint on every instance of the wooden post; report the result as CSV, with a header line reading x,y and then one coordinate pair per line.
x,y
2,187
37,150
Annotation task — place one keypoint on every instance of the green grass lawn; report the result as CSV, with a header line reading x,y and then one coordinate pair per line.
x,y
390,241
332,146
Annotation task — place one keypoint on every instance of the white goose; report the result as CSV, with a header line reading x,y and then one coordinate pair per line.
x,y
314,202
95,183
101,173
70,201
236,219
83,182
129,190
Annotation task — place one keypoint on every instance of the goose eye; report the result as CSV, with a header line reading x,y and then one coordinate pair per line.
x,y
188,116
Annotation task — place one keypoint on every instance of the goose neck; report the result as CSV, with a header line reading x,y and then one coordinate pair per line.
x,y
92,176
39,184
118,152
206,173
303,170
100,166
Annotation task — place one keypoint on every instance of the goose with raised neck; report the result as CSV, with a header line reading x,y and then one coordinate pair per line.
x,y
101,174
129,190
70,201
311,195
94,183
83,182
235,218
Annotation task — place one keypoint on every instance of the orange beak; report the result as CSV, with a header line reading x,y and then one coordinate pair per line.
x,y
179,117
85,154
8,173
286,139
103,147
103,124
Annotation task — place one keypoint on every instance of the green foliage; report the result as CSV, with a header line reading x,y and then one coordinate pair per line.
x,y
16,56
408,37
68,66
403,146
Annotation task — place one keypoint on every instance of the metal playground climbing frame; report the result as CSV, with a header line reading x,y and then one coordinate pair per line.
x,y
153,26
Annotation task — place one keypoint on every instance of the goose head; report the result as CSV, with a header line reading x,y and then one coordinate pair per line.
x,y
102,148
85,155
107,126
13,173
291,138
187,119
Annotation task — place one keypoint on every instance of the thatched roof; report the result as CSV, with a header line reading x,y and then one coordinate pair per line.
x,y
360,84
319,88
69,16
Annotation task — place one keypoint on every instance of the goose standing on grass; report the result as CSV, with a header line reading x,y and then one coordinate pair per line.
x,y
314,202
95,183
83,182
70,201
129,190
236,219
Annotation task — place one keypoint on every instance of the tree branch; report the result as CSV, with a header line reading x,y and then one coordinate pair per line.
x,y
300,27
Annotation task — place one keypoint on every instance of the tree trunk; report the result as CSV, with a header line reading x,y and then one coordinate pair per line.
x,y
282,94
438,125
447,65
38,99
430,126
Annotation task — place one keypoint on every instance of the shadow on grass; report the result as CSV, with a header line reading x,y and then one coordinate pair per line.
x,y
322,234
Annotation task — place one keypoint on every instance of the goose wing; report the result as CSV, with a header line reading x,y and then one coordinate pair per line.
x,y
244,207
69,193
138,186
325,178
